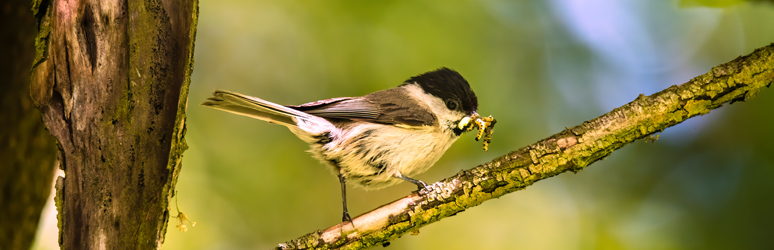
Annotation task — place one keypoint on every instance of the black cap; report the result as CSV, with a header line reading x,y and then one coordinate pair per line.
x,y
448,85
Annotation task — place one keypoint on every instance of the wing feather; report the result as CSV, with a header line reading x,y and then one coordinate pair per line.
x,y
391,106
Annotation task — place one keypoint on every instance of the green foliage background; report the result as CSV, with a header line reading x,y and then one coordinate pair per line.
x,y
537,66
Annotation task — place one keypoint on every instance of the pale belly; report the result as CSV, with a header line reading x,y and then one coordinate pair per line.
x,y
374,153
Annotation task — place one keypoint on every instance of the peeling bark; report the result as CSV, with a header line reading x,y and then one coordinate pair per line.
x,y
570,150
111,80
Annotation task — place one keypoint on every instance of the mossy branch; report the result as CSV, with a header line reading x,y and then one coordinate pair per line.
x,y
570,150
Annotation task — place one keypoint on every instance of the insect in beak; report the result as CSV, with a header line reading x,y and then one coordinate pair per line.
x,y
464,122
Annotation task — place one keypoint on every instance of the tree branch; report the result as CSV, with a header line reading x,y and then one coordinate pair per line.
x,y
570,150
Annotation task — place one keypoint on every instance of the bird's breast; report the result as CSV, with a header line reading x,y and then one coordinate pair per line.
x,y
369,155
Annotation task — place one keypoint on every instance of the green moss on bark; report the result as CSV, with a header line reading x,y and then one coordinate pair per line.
x,y
122,146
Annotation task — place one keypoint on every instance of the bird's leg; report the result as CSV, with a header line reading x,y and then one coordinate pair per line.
x,y
420,184
345,217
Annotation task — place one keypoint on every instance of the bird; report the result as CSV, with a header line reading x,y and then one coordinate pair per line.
x,y
376,140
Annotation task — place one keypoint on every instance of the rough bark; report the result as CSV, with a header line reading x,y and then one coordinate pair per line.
x,y
27,151
570,150
111,80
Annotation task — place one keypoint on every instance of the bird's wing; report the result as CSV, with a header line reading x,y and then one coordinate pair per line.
x,y
391,106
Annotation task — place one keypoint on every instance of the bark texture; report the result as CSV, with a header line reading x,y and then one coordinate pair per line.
x,y
570,150
27,151
111,80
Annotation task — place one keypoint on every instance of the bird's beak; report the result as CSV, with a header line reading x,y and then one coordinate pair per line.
x,y
466,120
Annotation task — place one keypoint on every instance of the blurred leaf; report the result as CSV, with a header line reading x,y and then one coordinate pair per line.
x,y
716,3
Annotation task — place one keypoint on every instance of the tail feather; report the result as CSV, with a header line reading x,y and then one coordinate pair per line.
x,y
255,107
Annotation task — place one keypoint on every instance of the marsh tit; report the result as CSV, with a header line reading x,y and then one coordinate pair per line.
x,y
376,140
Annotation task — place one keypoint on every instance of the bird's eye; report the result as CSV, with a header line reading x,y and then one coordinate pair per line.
x,y
452,105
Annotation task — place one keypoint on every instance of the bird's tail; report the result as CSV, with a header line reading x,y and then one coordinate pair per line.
x,y
255,107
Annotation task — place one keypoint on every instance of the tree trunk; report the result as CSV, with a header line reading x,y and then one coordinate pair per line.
x,y
27,152
111,80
